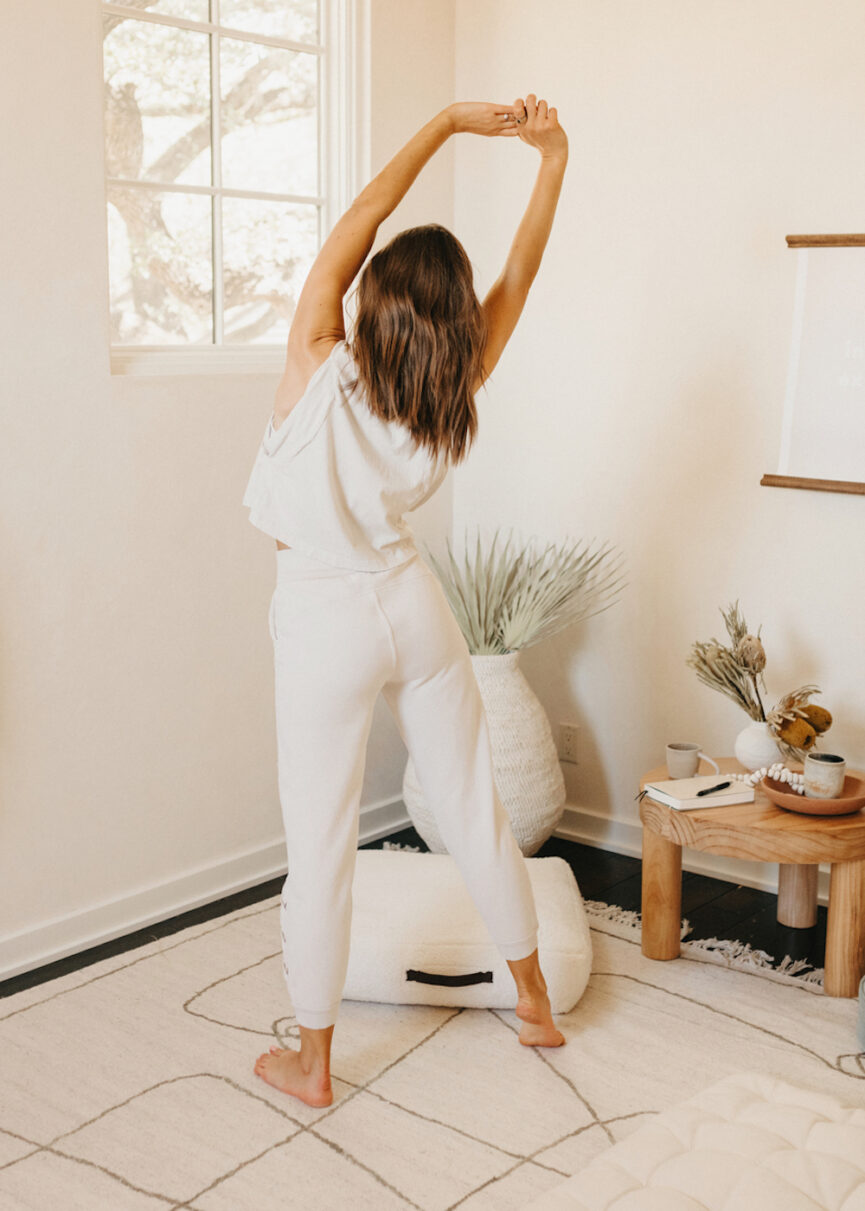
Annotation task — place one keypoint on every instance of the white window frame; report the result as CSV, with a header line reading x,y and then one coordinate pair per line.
x,y
344,165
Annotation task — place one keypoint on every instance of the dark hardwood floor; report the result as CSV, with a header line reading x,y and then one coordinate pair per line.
x,y
713,907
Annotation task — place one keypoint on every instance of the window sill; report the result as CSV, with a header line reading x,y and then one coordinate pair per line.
x,y
266,359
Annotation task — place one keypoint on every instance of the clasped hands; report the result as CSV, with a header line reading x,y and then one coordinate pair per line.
x,y
532,120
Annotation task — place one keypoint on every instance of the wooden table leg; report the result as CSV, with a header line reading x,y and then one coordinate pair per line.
x,y
797,894
662,896
845,930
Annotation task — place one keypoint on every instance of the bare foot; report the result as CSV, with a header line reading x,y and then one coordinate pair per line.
x,y
281,1068
537,1029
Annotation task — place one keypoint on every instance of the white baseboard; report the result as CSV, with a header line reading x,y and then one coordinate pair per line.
x,y
56,939
626,837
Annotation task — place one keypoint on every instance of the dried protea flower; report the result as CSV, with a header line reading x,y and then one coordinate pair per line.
x,y
819,718
798,733
751,653
791,706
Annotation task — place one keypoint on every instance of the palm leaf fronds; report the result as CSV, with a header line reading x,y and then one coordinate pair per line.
x,y
508,599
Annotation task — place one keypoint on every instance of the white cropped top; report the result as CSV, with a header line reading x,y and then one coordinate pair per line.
x,y
334,480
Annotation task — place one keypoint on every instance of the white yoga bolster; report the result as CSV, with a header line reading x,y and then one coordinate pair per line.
x,y
417,937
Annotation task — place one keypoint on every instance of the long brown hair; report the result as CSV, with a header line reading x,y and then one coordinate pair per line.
x,y
419,338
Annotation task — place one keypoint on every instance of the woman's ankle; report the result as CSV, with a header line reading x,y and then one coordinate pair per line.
x,y
316,1066
315,1046
533,991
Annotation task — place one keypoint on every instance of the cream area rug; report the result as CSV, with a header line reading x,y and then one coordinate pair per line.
x,y
129,1085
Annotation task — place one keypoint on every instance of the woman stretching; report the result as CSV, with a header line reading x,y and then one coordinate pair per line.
x,y
362,433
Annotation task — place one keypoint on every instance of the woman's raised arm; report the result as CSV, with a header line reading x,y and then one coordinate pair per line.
x,y
318,321
506,298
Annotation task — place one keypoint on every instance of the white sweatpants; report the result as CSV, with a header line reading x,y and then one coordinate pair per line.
x,y
340,638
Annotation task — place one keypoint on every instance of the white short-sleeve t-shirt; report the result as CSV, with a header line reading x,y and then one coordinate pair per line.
x,y
334,480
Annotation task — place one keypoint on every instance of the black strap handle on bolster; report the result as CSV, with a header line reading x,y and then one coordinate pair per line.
x,y
429,977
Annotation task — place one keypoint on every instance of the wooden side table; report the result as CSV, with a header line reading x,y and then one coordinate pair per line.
x,y
764,833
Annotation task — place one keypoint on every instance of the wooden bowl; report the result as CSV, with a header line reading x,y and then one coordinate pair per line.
x,y
851,799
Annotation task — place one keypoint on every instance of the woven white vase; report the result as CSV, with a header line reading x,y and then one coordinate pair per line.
x,y
525,762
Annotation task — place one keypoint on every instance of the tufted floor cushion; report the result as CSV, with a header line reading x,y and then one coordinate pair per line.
x,y
747,1143
417,937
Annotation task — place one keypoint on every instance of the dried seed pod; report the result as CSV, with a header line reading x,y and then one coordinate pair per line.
x,y
798,733
819,718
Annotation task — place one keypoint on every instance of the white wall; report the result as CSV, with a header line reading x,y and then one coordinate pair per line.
x,y
137,747
640,399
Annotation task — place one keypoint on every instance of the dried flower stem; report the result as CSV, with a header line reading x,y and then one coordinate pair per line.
x,y
759,700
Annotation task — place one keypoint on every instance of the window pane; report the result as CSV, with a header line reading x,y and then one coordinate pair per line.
x,y
269,118
296,20
160,267
268,250
193,10
157,102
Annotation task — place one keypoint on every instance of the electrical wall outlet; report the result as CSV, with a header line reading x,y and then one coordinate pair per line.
x,y
568,733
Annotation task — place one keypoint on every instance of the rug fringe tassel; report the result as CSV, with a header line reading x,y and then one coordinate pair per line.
x,y
629,918
741,956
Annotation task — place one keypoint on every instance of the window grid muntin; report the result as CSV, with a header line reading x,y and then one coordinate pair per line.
x,y
226,191
212,27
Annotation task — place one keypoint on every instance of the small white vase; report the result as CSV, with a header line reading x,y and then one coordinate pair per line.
x,y
526,765
756,746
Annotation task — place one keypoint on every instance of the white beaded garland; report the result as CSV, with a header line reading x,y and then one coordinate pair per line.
x,y
777,773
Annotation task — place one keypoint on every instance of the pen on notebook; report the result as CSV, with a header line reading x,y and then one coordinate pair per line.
x,y
708,790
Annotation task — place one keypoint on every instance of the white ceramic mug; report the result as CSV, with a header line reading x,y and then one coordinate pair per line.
x,y
683,759
823,775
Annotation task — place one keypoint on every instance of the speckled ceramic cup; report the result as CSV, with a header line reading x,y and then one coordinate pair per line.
x,y
683,759
824,775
